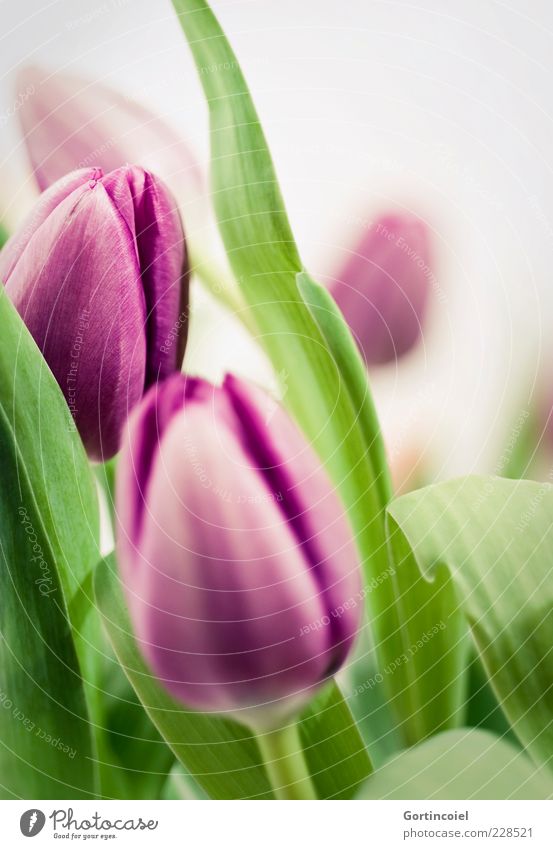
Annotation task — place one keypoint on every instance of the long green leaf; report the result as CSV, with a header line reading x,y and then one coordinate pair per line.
x,y
425,688
48,533
495,538
136,761
221,755
333,747
464,764
347,361
426,646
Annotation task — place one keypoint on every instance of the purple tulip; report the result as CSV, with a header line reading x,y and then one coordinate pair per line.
x,y
238,563
69,122
98,274
384,287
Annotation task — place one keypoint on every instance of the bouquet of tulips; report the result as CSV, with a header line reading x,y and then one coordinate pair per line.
x,y
271,621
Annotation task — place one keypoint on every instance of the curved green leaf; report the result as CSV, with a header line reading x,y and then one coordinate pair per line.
x,y
495,538
425,653
464,764
48,533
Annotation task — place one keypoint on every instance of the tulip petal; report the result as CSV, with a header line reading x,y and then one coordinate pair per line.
x,y
46,204
147,425
163,263
85,309
309,504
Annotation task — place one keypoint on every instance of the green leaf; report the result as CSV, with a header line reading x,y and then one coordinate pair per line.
x,y
410,609
51,452
367,697
483,710
350,366
48,533
495,538
136,760
334,750
221,755
423,660
464,764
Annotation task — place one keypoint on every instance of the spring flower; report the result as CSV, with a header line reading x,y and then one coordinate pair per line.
x,y
383,289
239,567
98,274
69,122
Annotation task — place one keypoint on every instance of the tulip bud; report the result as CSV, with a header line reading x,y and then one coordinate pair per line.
x,y
98,275
69,122
384,286
238,563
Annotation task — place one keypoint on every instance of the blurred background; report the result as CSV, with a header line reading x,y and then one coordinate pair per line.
x,y
441,109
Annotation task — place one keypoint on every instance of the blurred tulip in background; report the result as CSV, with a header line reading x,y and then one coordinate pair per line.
x,y
70,122
384,286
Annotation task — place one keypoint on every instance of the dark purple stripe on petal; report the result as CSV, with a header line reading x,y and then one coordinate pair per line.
x,y
146,428
275,468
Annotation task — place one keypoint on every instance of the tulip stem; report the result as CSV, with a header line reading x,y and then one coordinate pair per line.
x,y
105,475
285,764
223,287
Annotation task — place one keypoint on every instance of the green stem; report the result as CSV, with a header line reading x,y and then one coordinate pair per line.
x,y
4,234
283,756
222,285
105,475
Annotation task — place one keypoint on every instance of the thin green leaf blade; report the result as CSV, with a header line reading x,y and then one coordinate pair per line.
x,y
349,364
334,750
426,688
